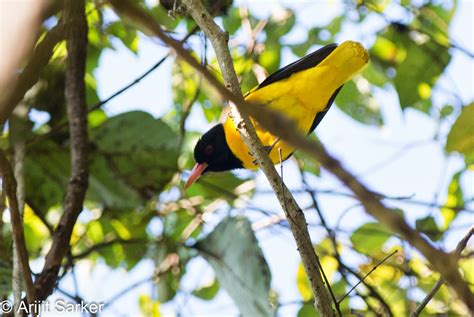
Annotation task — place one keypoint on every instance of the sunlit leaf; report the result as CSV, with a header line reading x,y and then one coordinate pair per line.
x,y
425,60
126,34
454,198
302,283
36,233
207,292
148,306
460,138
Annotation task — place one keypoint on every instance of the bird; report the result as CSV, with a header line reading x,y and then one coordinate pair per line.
x,y
302,91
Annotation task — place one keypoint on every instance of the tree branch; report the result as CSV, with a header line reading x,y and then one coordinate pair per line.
x,y
76,28
457,253
296,218
287,131
9,187
16,127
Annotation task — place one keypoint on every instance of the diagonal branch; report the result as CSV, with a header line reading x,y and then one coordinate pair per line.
x,y
76,28
219,40
286,130
9,187
296,218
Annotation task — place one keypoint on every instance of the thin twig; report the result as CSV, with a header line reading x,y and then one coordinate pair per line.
x,y
366,275
126,290
457,253
342,266
9,187
105,244
19,173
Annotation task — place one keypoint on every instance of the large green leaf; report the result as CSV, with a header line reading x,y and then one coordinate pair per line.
x,y
422,62
233,252
47,166
370,237
132,158
139,151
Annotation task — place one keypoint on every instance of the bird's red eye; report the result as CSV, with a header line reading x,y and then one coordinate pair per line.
x,y
208,150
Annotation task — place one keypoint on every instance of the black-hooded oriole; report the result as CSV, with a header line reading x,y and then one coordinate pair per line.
x,y
302,91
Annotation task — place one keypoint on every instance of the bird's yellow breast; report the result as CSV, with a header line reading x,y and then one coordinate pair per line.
x,y
299,97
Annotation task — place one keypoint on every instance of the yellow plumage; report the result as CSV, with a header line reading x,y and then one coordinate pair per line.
x,y
299,97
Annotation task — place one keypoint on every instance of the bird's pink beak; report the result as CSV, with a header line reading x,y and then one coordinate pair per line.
x,y
195,174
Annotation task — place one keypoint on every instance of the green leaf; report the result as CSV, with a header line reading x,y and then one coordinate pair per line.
x,y
126,34
359,104
308,163
461,136
139,152
424,62
281,22
207,292
308,310
162,16
133,157
36,233
47,167
232,20
370,237
238,262
270,57
429,227
454,199
176,222
375,75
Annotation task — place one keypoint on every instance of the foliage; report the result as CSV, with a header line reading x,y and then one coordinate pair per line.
x,y
136,163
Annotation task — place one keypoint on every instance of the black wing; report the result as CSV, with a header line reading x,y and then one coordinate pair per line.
x,y
321,114
304,63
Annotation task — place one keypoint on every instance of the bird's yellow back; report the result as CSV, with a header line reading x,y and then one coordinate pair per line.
x,y
299,97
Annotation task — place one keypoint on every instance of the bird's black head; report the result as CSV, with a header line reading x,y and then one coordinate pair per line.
x,y
212,154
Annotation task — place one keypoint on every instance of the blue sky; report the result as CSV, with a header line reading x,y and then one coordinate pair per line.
x,y
418,170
